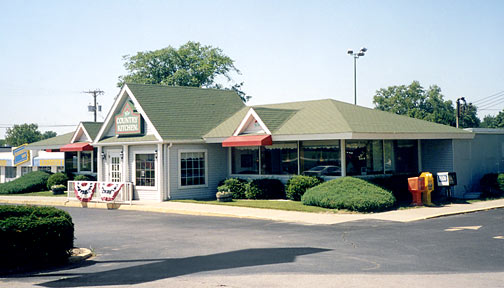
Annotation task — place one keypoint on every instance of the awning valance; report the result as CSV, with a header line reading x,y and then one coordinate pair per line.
x,y
80,146
250,140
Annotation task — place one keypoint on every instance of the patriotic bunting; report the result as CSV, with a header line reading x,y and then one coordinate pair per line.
x,y
84,190
109,191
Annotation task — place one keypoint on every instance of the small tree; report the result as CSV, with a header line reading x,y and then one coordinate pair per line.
x,y
21,134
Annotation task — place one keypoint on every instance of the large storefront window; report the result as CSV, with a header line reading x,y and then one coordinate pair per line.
x,y
192,168
71,162
245,160
401,156
145,170
364,157
320,158
10,172
86,158
279,159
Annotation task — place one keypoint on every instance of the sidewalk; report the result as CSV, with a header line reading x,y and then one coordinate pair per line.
x,y
405,215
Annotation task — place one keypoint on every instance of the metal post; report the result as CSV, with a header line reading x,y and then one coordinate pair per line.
x,y
355,79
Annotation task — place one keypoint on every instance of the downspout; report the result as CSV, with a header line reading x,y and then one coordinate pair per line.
x,y
168,196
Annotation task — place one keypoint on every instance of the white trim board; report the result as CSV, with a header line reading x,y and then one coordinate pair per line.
x,y
109,120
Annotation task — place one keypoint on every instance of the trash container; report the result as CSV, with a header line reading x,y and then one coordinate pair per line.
x,y
429,187
416,185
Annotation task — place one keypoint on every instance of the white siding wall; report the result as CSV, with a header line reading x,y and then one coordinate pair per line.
x,y
142,193
216,167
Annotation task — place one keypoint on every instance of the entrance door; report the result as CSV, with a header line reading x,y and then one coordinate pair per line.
x,y
115,167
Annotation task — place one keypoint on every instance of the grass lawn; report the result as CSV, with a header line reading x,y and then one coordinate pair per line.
x,y
287,205
42,193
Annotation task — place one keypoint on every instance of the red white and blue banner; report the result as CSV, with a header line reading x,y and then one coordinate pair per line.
x,y
84,190
109,191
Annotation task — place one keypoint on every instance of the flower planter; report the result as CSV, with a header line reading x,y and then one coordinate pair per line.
x,y
224,196
225,199
58,191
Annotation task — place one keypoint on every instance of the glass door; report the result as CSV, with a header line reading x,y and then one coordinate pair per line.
x,y
115,170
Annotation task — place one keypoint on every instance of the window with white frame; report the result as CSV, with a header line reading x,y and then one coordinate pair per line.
x,y
25,170
192,168
145,170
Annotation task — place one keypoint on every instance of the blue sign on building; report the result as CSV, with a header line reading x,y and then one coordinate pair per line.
x,y
21,155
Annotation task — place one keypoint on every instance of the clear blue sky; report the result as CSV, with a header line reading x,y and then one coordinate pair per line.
x,y
51,51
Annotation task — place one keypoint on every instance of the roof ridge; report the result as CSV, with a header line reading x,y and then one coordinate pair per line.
x,y
181,87
333,102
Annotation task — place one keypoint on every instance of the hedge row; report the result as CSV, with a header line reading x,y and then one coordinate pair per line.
x,y
31,182
34,237
349,193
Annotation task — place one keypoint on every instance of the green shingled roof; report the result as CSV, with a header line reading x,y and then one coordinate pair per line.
x,y
330,117
182,113
52,142
92,128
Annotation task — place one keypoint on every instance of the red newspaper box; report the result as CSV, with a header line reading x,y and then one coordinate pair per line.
x,y
416,185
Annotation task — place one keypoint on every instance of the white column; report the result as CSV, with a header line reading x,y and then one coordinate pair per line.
x,y
126,165
343,157
99,163
159,172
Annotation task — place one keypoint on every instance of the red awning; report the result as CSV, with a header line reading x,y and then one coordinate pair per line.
x,y
252,140
80,146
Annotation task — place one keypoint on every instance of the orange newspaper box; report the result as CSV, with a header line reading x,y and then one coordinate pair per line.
x,y
416,185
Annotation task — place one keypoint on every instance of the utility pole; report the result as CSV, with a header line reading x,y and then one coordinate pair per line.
x,y
94,108
461,99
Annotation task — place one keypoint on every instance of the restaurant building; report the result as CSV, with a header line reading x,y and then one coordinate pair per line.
x,y
180,142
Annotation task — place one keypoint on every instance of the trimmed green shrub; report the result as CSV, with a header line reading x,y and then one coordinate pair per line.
x,y
349,193
500,181
237,186
57,179
265,189
34,236
81,178
31,182
490,185
297,186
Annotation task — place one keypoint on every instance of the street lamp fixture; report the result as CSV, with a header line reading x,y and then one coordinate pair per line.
x,y
361,53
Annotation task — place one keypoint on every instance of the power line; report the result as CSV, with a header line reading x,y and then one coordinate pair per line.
x,y
485,99
491,103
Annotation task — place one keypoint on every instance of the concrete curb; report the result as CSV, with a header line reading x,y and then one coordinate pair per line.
x,y
404,216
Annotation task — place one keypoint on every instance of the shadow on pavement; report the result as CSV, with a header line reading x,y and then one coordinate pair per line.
x,y
166,268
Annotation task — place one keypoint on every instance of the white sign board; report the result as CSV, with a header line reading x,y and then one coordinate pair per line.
x,y
443,179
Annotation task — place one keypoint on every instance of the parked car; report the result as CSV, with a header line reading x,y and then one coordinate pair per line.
x,y
328,170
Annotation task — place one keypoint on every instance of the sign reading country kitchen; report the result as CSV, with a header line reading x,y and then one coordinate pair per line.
x,y
21,155
129,121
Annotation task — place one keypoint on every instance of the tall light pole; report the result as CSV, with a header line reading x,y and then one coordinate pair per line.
x,y
361,53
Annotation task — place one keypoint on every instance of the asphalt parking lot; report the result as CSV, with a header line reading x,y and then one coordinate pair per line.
x,y
168,250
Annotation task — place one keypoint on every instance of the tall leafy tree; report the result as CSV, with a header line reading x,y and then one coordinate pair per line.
x,y
426,104
192,64
47,135
496,121
25,133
